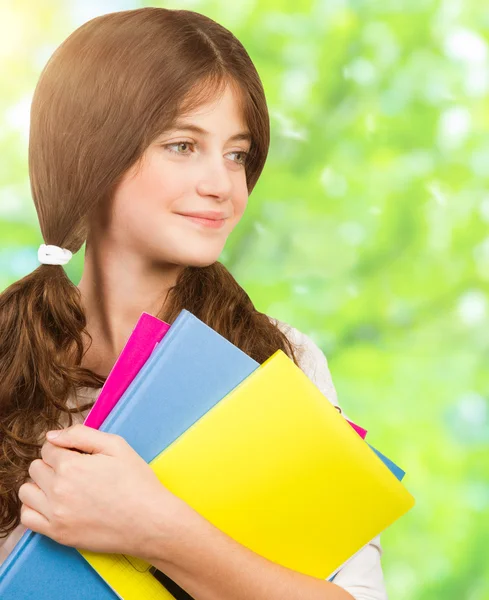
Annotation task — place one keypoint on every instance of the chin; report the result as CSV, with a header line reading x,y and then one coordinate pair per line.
x,y
202,255
202,261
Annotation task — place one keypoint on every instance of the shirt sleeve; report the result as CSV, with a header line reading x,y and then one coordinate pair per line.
x,y
362,574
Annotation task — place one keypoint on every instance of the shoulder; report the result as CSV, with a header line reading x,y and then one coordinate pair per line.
x,y
311,359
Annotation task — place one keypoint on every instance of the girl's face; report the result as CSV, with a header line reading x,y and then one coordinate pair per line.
x,y
189,192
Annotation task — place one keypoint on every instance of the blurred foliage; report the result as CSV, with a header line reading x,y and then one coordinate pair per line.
x,y
367,230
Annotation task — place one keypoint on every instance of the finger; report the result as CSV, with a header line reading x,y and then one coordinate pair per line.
x,y
31,495
31,519
85,439
42,474
53,455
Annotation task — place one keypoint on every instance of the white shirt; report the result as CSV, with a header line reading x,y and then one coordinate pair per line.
x,y
362,575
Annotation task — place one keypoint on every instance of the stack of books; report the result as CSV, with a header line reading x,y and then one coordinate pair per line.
x,y
255,449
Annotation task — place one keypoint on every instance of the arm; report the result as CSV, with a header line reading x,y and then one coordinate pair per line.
x,y
87,501
210,565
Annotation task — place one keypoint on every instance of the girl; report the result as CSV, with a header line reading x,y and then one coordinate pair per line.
x,y
149,130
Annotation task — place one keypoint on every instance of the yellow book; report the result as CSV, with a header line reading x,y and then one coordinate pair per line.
x,y
277,468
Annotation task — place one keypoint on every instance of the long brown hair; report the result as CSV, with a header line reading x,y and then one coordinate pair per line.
x,y
107,92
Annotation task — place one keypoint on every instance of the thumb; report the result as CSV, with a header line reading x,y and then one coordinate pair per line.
x,y
85,439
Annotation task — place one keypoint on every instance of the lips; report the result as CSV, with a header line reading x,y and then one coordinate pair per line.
x,y
208,215
212,220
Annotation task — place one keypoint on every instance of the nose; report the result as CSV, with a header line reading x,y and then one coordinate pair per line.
x,y
215,180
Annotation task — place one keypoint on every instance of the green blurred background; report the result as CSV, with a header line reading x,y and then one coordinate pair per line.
x,y
367,230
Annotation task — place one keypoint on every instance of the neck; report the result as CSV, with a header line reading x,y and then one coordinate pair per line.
x,y
114,292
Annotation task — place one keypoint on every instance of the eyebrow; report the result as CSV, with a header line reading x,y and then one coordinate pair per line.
x,y
183,125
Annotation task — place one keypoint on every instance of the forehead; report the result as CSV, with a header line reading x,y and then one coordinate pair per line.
x,y
207,99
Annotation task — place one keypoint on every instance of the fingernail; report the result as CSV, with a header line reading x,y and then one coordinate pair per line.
x,y
52,434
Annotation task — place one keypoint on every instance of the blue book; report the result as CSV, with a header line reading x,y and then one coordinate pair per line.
x,y
190,370
39,568
186,375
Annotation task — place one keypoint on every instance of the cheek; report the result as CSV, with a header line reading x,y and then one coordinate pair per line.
x,y
160,186
150,193
239,196
241,202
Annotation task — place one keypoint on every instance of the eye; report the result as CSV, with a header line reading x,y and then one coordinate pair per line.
x,y
244,157
178,145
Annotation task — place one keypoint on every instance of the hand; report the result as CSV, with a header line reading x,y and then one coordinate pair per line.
x,y
105,500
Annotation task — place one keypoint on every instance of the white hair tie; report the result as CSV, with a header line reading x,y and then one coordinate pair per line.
x,y
53,255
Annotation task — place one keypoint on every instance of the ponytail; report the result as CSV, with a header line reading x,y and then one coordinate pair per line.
x,y
41,348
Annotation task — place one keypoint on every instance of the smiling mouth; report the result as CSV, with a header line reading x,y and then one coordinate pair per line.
x,y
210,223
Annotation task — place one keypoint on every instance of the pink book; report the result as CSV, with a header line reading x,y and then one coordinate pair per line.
x,y
360,430
149,331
